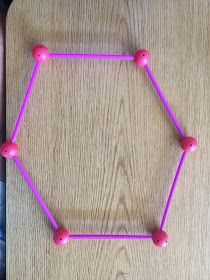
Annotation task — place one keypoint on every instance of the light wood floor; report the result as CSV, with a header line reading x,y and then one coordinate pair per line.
x,y
99,145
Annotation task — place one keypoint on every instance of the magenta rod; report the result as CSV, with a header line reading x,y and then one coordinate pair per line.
x,y
110,237
91,56
165,102
173,189
36,193
25,102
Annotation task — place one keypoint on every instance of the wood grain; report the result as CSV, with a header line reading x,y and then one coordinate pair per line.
x,y
98,143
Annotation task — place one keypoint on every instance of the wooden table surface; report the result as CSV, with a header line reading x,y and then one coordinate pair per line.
x,y
100,146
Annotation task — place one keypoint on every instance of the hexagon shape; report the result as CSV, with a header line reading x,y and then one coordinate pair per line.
x,y
10,149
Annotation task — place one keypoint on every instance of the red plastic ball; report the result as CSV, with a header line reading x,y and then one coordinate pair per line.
x,y
189,144
40,53
9,150
61,237
160,238
142,58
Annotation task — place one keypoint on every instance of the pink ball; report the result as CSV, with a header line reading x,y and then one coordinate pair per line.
x,y
40,53
160,238
61,237
142,58
189,144
9,150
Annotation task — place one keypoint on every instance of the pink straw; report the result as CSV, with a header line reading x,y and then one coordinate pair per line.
x,y
110,237
173,189
25,102
91,56
36,193
165,102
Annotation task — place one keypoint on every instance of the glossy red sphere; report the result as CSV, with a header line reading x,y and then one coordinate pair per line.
x,y
40,53
189,144
9,150
142,58
160,238
61,237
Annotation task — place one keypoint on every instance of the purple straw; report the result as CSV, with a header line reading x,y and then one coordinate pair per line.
x,y
91,56
173,189
25,102
36,193
110,237
165,102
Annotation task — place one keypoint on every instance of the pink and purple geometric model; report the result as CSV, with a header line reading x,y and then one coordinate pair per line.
x,y
10,149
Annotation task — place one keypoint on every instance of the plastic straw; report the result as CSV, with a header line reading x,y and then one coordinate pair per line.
x,y
36,193
173,189
25,102
165,102
91,56
110,237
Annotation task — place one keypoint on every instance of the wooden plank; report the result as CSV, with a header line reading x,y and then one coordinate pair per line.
x,y
98,143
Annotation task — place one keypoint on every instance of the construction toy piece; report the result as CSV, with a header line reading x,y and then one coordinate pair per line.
x,y
160,238
189,144
40,53
61,237
9,150
142,58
